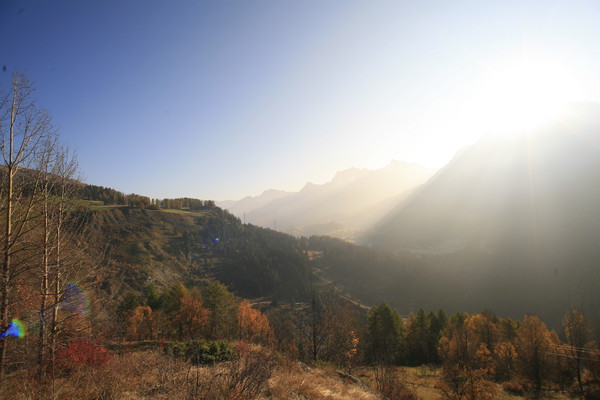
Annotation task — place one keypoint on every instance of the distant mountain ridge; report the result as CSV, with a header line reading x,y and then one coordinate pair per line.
x,y
353,200
238,207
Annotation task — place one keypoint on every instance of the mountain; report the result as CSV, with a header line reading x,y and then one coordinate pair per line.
x,y
239,207
516,218
352,200
521,188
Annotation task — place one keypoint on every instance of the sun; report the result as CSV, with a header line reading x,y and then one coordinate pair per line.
x,y
522,95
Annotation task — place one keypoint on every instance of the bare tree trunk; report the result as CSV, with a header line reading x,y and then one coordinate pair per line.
x,y
44,290
6,264
57,282
23,130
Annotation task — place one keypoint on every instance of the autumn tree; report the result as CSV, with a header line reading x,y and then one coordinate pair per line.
x,y
579,343
467,362
534,345
141,324
192,316
285,326
253,325
328,328
338,329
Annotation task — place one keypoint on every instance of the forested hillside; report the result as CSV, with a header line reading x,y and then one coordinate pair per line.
x,y
163,247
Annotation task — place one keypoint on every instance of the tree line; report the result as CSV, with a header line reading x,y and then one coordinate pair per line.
x,y
477,349
187,314
109,196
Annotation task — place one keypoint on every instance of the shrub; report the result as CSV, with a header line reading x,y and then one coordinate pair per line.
x,y
243,378
391,383
201,352
81,353
514,388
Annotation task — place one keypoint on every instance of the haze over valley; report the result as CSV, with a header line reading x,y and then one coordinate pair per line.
x,y
348,204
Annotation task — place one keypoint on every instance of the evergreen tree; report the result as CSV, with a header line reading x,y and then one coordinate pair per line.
x,y
385,330
223,311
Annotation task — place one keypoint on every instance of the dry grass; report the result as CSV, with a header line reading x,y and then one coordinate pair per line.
x,y
184,212
152,375
260,374
143,375
422,381
294,381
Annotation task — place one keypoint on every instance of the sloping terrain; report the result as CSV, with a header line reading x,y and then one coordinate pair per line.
x,y
513,222
144,246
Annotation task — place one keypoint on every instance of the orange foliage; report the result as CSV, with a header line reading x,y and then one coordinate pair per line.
x,y
141,324
193,318
253,325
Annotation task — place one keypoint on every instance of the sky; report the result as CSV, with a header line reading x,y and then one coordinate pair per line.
x,y
223,99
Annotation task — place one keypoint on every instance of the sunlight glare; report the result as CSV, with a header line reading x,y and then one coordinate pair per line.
x,y
524,95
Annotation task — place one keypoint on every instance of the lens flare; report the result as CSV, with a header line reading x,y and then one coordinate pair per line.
x,y
15,328
75,300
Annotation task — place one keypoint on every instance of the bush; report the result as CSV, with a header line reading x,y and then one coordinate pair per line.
x,y
514,388
391,383
81,353
244,378
201,352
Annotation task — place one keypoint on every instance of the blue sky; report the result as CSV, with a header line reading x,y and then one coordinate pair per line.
x,y
222,99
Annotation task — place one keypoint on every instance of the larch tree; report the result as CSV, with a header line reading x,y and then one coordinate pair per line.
x,y
467,361
253,325
193,317
579,343
534,345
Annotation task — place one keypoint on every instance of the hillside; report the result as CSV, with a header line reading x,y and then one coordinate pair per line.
x,y
516,214
165,247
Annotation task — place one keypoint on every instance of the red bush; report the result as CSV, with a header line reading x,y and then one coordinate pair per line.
x,y
514,388
81,353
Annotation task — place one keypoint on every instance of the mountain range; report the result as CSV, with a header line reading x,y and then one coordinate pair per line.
x,y
348,204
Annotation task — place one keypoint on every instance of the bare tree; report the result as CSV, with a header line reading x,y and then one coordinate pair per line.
x,y
329,328
71,259
45,167
23,130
